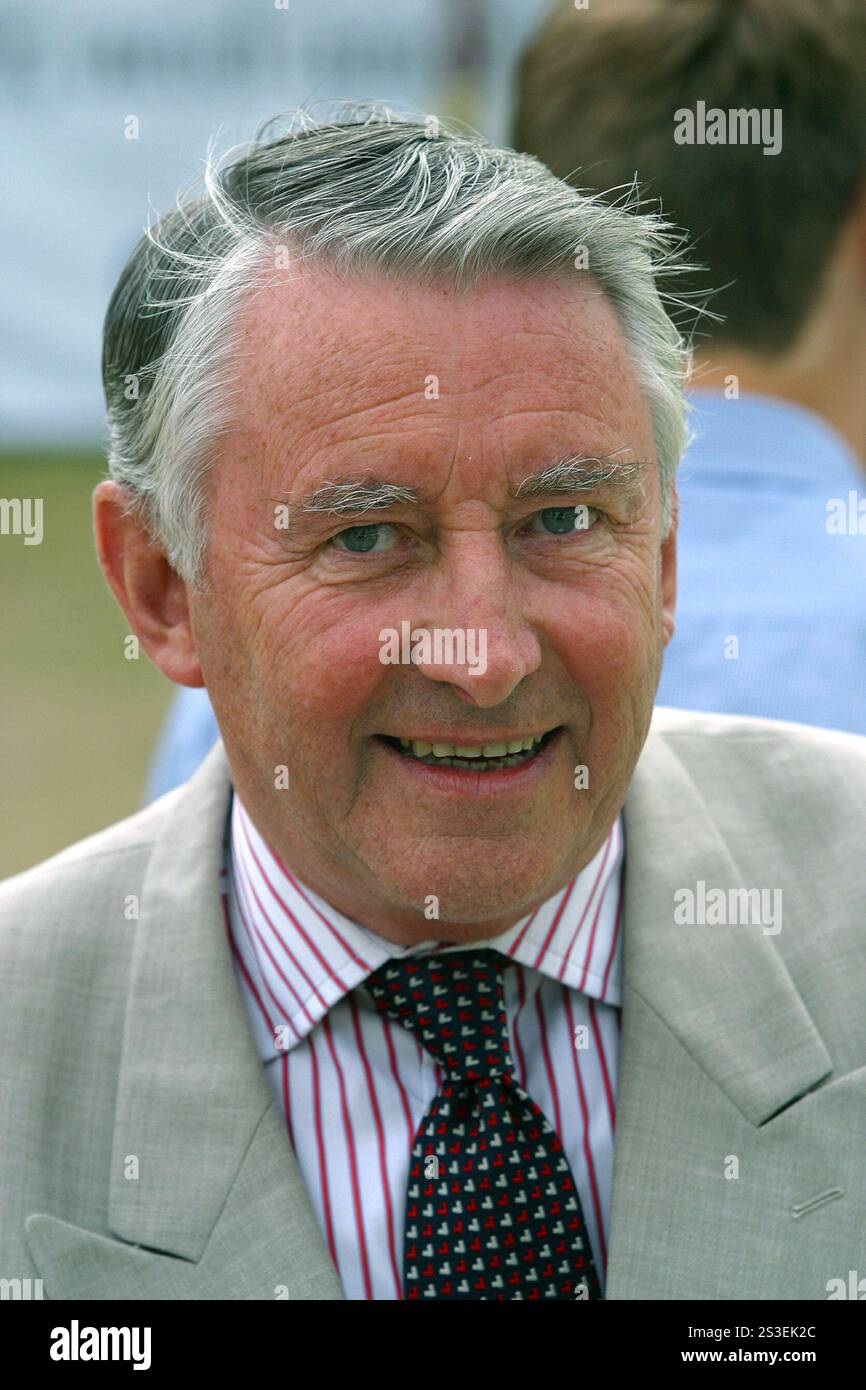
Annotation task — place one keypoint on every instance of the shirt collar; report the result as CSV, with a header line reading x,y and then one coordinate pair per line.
x,y
303,956
764,435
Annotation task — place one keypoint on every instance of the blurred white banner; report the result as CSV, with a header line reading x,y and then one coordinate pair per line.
x,y
78,78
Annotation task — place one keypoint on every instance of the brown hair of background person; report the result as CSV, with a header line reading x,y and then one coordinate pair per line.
x,y
598,91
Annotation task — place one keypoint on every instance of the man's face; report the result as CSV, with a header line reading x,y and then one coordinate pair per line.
x,y
459,398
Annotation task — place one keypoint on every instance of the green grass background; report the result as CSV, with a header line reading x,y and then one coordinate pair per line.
x,y
78,721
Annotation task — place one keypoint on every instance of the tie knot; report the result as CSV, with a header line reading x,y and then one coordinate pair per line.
x,y
454,1003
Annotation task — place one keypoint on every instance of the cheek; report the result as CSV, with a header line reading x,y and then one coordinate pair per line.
x,y
606,644
319,672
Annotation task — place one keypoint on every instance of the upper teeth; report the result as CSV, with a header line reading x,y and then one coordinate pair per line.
x,y
486,750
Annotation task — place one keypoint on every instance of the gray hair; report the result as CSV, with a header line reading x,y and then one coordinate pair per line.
x,y
409,198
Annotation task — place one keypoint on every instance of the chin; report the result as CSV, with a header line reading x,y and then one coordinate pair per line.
x,y
484,899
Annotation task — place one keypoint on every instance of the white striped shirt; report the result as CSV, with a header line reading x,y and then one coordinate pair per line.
x,y
354,1086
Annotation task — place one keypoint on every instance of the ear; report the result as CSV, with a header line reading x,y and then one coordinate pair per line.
x,y
668,564
152,595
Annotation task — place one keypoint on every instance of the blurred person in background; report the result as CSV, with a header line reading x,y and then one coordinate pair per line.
x,y
188,734
772,547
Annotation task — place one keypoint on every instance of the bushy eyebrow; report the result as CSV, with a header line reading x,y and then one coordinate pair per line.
x,y
577,473
347,496
354,496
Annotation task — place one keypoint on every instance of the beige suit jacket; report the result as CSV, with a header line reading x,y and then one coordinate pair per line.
x,y
142,1154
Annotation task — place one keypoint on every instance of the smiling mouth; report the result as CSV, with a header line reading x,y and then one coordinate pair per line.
x,y
488,757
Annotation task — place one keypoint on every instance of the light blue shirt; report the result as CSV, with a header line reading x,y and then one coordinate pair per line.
x,y
771,609
187,736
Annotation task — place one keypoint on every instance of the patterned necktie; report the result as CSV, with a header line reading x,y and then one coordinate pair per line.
x,y
492,1210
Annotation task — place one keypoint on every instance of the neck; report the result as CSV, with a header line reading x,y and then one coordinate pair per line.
x,y
835,392
825,368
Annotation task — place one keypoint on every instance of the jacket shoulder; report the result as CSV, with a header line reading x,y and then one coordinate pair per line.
x,y
767,748
767,782
73,885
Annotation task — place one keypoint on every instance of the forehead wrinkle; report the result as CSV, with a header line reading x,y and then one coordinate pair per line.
x,y
326,397
334,361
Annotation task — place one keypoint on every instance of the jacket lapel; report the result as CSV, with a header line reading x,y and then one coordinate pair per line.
x,y
206,1197
715,1043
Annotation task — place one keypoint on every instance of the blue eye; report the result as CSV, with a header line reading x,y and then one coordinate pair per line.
x,y
360,539
562,521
